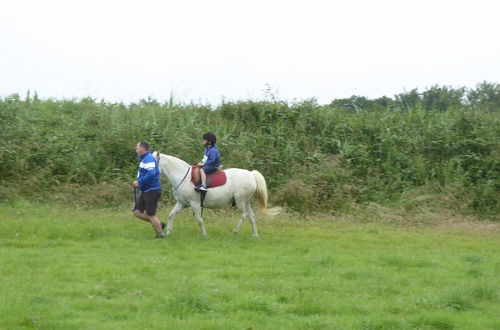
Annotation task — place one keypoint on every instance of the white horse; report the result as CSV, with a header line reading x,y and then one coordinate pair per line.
x,y
239,189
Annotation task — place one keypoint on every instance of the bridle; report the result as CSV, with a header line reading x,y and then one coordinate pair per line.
x,y
185,175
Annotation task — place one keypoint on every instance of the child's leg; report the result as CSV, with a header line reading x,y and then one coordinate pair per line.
x,y
197,175
203,177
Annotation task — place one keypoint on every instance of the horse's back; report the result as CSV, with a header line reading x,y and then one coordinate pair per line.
x,y
240,178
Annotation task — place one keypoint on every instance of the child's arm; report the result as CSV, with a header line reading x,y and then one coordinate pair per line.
x,y
203,161
212,156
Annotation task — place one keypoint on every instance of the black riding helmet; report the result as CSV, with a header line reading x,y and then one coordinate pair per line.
x,y
210,137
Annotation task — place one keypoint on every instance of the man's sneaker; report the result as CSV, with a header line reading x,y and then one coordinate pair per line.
x,y
202,188
197,188
160,235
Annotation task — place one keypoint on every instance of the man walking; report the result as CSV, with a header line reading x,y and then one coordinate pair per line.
x,y
148,181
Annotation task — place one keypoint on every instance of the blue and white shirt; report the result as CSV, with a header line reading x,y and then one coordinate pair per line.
x,y
211,157
148,174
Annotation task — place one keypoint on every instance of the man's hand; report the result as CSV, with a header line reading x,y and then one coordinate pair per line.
x,y
135,184
200,164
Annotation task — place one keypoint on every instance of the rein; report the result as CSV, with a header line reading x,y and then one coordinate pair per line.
x,y
184,178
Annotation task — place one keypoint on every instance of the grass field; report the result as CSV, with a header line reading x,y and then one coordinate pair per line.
x,y
63,268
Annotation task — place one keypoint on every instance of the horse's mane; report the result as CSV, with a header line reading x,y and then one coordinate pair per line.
x,y
174,161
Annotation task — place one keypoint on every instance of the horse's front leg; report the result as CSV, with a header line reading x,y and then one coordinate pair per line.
x,y
170,226
197,212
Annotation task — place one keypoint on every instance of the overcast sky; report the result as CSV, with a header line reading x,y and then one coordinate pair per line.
x,y
206,50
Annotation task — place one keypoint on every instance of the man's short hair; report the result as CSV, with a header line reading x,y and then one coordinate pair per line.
x,y
145,145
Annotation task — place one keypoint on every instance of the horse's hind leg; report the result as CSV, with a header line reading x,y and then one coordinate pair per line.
x,y
177,208
242,208
251,216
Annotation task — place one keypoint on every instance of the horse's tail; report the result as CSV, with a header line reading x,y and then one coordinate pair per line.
x,y
261,193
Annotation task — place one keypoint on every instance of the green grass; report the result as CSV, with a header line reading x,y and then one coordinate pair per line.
x,y
63,268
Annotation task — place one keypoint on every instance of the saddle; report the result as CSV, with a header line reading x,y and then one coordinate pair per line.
x,y
216,179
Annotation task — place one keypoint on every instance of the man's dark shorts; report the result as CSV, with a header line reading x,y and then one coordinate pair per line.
x,y
148,201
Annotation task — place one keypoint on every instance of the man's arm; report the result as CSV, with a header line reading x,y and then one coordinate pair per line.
x,y
148,177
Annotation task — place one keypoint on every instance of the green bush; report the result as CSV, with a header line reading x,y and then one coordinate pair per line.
x,y
443,141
